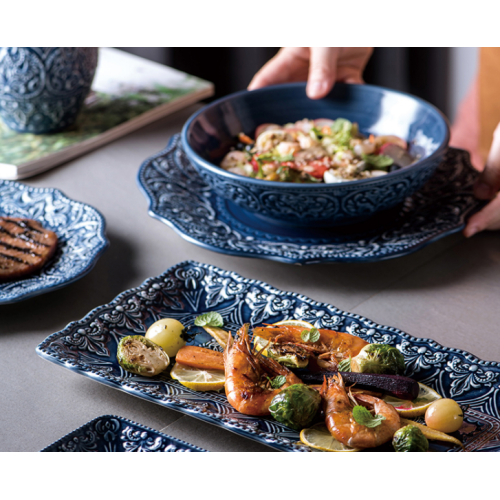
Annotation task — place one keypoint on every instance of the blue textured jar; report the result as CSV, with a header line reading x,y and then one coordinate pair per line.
x,y
43,88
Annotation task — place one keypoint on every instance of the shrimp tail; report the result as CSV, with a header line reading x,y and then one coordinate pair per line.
x,y
324,387
332,381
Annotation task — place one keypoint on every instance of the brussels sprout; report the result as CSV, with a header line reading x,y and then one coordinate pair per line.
x,y
142,356
410,438
296,406
379,358
293,356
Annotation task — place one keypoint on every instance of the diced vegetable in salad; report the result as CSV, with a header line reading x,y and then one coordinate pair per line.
x,y
314,151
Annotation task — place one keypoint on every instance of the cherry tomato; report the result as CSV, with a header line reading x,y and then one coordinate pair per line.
x,y
316,168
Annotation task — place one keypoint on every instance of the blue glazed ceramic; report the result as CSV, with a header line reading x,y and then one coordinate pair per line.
x,y
80,229
210,132
43,88
188,289
109,433
179,197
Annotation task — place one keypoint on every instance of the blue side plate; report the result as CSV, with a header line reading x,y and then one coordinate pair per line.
x,y
179,197
88,347
112,433
80,229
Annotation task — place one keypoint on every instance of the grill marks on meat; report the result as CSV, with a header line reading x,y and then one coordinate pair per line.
x,y
25,247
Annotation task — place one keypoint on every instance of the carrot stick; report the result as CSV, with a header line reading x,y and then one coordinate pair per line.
x,y
199,357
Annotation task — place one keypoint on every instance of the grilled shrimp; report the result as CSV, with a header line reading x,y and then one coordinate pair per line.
x,y
340,421
384,139
269,139
247,388
234,159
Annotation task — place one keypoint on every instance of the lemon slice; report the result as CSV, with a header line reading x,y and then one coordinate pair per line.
x,y
198,380
259,344
417,407
432,434
319,438
294,322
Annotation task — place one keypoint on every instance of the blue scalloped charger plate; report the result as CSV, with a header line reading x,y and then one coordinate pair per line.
x,y
80,229
109,433
180,198
88,347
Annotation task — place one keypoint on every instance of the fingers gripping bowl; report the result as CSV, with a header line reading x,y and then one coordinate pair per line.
x,y
211,132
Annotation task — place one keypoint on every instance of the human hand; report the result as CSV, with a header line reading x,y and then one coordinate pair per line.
x,y
487,188
320,66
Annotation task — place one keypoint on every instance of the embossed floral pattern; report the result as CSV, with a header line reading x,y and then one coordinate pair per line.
x,y
467,376
421,357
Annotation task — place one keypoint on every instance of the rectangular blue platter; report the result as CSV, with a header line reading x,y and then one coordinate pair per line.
x,y
188,289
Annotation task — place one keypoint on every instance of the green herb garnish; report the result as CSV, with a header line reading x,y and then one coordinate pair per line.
x,y
317,133
363,417
277,382
311,335
345,365
210,319
378,162
273,157
342,132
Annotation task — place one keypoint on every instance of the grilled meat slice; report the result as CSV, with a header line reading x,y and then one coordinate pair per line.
x,y
25,247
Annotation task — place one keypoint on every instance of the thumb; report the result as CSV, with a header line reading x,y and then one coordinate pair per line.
x,y
322,71
488,183
487,218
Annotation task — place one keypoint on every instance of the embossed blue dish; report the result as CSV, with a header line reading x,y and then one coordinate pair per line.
x,y
210,132
80,229
109,433
188,289
179,197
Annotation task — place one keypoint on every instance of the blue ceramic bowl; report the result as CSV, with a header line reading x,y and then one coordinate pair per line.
x,y
209,133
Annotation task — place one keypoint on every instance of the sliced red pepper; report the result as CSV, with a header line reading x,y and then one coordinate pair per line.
x,y
245,139
382,148
255,164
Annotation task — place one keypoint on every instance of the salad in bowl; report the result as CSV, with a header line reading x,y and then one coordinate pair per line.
x,y
315,151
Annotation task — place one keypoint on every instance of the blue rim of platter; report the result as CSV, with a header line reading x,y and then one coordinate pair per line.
x,y
179,197
80,229
184,291
118,434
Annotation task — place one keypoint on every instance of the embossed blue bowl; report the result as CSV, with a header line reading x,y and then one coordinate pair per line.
x,y
209,133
